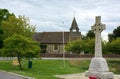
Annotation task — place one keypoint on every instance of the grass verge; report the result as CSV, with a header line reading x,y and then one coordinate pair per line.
x,y
46,69
43,69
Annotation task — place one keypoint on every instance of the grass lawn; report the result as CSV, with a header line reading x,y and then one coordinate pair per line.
x,y
114,66
46,69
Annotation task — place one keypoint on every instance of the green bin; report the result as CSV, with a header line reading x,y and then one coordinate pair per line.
x,y
30,64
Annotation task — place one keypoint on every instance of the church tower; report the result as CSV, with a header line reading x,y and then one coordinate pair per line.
x,y
74,31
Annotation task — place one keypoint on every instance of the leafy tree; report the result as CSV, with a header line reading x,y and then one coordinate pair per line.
x,y
90,45
90,34
114,46
111,37
104,47
20,25
4,14
20,46
1,38
115,34
76,46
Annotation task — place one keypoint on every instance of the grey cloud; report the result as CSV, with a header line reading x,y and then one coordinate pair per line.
x,y
48,15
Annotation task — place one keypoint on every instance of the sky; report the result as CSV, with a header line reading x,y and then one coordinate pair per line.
x,y
57,15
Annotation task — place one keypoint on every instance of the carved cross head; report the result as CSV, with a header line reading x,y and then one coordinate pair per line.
x,y
98,26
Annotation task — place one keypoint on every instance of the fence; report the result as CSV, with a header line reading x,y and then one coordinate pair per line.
x,y
78,55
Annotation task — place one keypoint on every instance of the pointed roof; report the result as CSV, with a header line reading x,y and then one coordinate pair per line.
x,y
74,25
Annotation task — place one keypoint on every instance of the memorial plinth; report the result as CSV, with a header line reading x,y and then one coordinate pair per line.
x,y
98,66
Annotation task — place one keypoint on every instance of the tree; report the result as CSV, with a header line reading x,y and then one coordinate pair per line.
x,y
20,46
1,38
115,34
76,46
4,14
104,47
90,34
114,46
90,45
20,25
86,46
111,37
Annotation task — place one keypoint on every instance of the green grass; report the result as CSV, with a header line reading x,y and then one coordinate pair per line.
x,y
114,66
46,69
43,69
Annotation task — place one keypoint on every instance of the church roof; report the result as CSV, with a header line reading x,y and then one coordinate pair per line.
x,y
56,37
74,25
51,37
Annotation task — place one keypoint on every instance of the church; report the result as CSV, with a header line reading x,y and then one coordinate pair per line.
x,y
54,42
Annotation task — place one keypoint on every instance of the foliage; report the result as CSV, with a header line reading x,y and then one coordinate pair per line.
x,y
111,37
90,45
104,47
114,66
90,34
20,46
1,38
4,14
76,46
20,25
114,46
79,46
115,34
89,42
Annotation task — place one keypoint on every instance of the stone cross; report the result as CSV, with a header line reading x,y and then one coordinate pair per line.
x,y
98,66
98,27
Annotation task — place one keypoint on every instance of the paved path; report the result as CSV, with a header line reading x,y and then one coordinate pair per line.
x,y
79,76
55,58
6,75
10,75
7,58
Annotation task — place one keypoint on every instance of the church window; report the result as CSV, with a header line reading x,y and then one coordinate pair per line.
x,y
55,47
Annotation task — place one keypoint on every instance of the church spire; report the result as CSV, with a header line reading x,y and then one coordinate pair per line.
x,y
74,26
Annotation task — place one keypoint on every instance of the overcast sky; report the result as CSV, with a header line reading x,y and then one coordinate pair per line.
x,y
57,15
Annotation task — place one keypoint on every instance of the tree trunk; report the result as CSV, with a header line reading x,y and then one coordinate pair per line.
x,y
19,61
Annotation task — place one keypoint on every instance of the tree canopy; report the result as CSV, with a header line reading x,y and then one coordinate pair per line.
x,y
79,46
20,25
90,45
90,34
75,46
4,14
114,46
17,36
115,34
20,46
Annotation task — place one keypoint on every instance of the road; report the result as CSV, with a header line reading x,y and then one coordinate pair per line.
x,y
6,75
